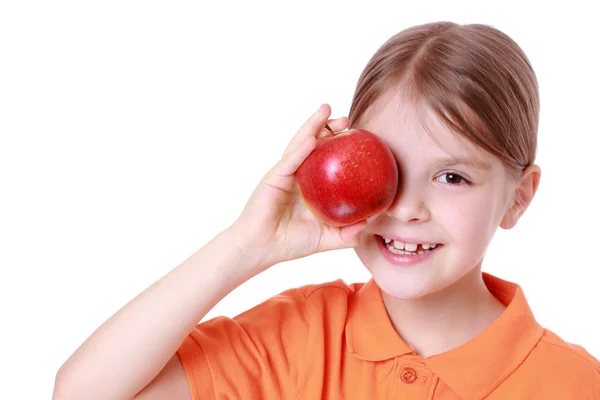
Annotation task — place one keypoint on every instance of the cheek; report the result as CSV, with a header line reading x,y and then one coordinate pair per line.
x,y
468,222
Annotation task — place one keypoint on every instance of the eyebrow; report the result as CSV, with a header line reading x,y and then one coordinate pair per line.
x,y
469,162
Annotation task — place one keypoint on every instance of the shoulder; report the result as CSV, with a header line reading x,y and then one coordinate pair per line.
x,y
330,297
565,367
333,289
295,308
269,346
328,294
574,355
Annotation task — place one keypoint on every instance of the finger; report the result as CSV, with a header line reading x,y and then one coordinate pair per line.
x,y
311,127
315,123
282,174
338,124
325,132
331,127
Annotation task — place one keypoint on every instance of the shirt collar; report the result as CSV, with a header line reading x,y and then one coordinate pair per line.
x,y
473,369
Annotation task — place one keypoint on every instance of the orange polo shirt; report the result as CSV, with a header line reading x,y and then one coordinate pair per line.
x,y
335,341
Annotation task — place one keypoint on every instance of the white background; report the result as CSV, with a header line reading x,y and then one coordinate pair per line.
x,y
132,132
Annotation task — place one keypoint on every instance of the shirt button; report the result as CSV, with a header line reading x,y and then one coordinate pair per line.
x,y
409,375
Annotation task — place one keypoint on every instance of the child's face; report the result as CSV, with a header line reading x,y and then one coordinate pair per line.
x,y
433,205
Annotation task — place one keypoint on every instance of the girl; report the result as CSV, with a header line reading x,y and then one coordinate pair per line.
x,y
458,106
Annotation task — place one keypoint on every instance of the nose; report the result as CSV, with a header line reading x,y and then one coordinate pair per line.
x,y
410,205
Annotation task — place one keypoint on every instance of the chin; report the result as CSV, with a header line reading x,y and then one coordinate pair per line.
x,y
404,282
406,286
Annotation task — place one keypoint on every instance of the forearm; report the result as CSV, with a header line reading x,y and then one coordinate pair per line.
x,y
124,354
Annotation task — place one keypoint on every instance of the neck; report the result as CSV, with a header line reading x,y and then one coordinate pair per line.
x,y
441,321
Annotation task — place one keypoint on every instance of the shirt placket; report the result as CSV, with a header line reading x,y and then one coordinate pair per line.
x,y
415,380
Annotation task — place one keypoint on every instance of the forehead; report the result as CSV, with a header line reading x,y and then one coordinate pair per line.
x,y
404,123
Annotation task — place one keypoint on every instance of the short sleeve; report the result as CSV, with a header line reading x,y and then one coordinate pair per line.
x,y
258,354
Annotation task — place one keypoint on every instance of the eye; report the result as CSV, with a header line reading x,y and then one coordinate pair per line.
x,y
452,178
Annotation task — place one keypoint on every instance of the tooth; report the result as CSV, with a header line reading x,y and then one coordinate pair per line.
x,y
410,246
398,244
426,246
387,240
433,246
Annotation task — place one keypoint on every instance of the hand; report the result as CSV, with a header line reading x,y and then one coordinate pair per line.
x,y
276,225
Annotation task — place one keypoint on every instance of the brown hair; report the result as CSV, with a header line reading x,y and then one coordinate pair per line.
x,y
475,78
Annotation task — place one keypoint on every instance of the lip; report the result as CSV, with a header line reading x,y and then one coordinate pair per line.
x,y
403,260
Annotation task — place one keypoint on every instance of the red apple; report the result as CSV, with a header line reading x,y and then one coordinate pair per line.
x,y
348,178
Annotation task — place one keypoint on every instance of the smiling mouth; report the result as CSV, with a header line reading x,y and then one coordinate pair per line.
x,y
401,248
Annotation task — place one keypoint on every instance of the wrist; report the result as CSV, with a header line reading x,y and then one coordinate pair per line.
x,y
245,259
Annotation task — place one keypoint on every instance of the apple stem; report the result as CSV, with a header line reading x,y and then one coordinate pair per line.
x,y
329,129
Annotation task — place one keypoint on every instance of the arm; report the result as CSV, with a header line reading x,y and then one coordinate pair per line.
x,y
128,352
170,383
122,356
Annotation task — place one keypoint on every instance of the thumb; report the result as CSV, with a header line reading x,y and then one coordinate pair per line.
x,y
281,175
350,234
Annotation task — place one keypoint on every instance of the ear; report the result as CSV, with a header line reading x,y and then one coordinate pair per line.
x,y
524,192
